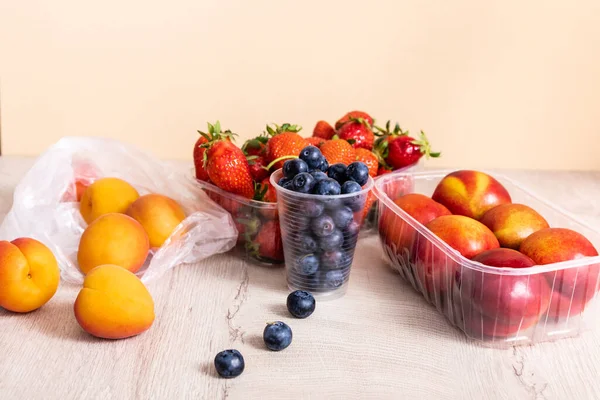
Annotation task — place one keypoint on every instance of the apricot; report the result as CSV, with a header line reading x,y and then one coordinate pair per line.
x,y
29,275
470,193
104,196
113,304
113,239
158,214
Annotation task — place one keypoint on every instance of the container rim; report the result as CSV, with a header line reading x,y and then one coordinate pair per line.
x,y
232,196
275,176
459,258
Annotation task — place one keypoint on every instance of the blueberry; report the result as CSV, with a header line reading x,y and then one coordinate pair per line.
x,y
358,172
312,156
333,204
319,175
277,336
337,172
324,164
293,167
333,279
313,208
331,242
308,244
288,185
283,181
351,235
329,187
333,259
322,226
350,187
301,304
303,182
229,363
308,264
342,217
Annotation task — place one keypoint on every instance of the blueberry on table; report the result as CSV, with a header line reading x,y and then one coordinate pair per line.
x,y
319,175
293,167
312,156
313,208
308,264
331,242
337,172
277,336
327,187
308,244
229,363
324,164
358,172
322,226
333,259
303,182
301,304
342,217
350,187
333,279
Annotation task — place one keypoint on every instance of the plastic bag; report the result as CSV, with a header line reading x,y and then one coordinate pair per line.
x,y
45,204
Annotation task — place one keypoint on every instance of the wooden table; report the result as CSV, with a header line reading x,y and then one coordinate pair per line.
x,y
380,340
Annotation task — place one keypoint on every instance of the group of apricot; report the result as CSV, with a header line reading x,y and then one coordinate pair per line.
x,y
122,228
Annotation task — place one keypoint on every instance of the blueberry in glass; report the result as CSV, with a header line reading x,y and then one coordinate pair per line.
x,y
327,187
303,182
324,164
312,156
355,203
308,244
319,175
331,242
283,181
342,216
333,279
293,167
308,264
337,172
350,187
358,172
332,259
322,226
313,208
351,235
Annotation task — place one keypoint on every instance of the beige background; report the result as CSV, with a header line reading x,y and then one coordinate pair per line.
x,y
494,83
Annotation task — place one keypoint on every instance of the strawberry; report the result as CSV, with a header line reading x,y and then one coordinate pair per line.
x,y
256,146
267,244
396,149
199,159
368,204
383,170
285,143
353,115
358,133
226,164
369,159
258,168
323,130
247,226
338,151
315,141
267,193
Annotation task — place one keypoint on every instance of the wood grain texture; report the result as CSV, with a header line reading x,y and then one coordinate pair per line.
x,y
380,340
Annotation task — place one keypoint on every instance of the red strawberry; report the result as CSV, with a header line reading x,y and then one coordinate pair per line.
x,y
315,141
369,159
285,143
323,130
338,151
247,226
226,164
256,146
383,170
396,149
267,193
258,168
199,159
267,243
358,133
351,115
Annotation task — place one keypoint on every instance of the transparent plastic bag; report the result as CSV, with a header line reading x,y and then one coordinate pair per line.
x,y
45,204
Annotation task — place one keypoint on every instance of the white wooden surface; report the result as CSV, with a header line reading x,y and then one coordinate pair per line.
x,y
381,340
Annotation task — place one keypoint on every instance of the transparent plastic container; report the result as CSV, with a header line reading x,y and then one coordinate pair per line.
x,y
319,238
472,296
257,223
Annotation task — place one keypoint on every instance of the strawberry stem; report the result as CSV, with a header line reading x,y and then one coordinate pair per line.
x,y
279,159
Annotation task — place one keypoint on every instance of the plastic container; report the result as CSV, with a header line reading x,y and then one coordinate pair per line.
x,y
470,294
257,223
319,238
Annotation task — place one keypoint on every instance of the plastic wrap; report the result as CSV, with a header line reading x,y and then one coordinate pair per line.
x,y
45,204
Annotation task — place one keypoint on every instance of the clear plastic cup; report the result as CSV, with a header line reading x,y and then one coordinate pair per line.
x,y
319,236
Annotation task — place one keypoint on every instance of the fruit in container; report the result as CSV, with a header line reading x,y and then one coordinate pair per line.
x,y
470,193
113,239
469,237
354,115
513,223
267,244
200,150
323,130
358,132
338,151
369,159
159,216
396,149
510,302
284,142
113,304
573,287
29,275
106,195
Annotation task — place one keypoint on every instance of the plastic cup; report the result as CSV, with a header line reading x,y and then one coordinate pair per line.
x,y
319,236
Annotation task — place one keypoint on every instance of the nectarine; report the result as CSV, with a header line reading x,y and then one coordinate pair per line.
x,y
113,304
106,195
513,223
158,214
29,275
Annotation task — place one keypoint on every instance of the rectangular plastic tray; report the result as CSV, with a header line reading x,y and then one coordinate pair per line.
x,y
507,326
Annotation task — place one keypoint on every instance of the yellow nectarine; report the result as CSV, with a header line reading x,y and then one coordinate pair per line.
x,y
113,304
113,239
29,275
106,195
158,214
